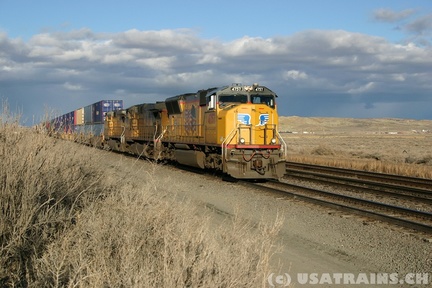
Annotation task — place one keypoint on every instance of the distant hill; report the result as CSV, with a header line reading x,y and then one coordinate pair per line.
x,y
353,125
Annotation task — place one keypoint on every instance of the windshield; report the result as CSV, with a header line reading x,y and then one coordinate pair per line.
x,y
263,99
225,100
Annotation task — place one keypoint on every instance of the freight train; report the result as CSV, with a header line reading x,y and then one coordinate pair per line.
x,y
233,129
83,123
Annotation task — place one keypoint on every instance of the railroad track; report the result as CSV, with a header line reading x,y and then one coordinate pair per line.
x,y
389,179
414,193
402,201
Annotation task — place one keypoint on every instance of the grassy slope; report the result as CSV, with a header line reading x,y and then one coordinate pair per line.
x,y
63,225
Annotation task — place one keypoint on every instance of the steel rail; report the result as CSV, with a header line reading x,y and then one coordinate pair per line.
x,y
381,177
426,196
372,214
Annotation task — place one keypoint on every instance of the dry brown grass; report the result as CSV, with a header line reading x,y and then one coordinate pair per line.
x,y
387,145
367,165
409,155
62,226
42,189
136,239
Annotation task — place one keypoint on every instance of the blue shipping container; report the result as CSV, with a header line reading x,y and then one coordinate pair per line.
x,y
104,106
89,115
69,122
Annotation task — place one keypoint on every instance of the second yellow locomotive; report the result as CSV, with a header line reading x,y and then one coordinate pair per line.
x,y
233,129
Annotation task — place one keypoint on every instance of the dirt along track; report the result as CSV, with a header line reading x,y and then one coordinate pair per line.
x,y
312,239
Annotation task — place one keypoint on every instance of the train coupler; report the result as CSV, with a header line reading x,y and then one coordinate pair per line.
x,y
257,165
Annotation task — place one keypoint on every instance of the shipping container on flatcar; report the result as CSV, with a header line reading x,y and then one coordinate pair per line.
x,y
86,121
89,129
79,116
69,122
88,114
99,109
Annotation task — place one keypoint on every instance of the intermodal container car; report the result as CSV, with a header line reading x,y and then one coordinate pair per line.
x,y
79,116
88,114
102,107
93,129
69,122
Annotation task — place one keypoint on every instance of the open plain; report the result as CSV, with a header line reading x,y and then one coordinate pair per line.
x,y
398,146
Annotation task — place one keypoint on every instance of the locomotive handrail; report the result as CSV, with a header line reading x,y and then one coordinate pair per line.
x,y
122,135
285,146
225,142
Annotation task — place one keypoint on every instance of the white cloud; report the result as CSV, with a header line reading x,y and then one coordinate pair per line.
x,y
118,58
134,64
421,25
411,21
398,77
363,88
295,75
185,78
74,87
209,59
251,46
158,63
163,39
389,15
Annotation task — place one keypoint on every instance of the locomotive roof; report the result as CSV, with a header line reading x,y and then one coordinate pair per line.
x,y
147,106
180,97
240,88
215,90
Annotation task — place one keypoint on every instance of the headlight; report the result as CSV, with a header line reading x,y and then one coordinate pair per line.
x,y
273,141
242,141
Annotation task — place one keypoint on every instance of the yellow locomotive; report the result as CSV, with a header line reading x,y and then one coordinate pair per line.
x,y
232,129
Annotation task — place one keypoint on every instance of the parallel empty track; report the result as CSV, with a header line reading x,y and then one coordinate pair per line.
x,y
404,201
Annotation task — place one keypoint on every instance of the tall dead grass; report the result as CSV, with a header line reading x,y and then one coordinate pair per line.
x,y
43,186
63,225
136,239
368,164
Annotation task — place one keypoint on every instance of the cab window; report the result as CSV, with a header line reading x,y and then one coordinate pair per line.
x,y
263,99
225,100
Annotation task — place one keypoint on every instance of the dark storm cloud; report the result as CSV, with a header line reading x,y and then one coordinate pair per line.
x,y
326,73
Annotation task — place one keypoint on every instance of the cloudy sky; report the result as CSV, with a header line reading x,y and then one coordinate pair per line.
x,y
333,58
